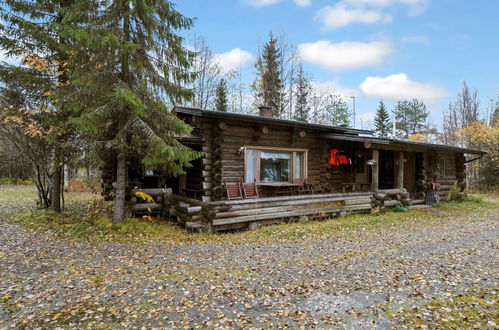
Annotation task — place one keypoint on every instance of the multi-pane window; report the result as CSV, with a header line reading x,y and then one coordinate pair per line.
x,y
274,164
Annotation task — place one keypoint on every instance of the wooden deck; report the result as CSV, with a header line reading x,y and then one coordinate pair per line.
x,y
250,213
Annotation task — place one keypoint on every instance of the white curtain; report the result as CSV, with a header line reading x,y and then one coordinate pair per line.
x,y
250,166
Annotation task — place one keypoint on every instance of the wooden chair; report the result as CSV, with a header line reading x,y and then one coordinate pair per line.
x,y
313,187
250,190
233,190
300,186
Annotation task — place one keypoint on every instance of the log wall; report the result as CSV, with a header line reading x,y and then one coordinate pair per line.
x,y
224,159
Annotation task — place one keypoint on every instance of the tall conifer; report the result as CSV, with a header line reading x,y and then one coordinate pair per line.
x,y
221,96
129,61
268,86
382,122
303,90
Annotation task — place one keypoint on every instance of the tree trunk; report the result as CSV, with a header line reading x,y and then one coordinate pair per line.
x,y
56,184
119,199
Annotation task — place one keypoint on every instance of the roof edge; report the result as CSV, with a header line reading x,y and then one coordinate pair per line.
x,y
270,120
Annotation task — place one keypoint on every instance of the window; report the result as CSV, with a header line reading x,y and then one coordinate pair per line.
x,y
274,164
441,167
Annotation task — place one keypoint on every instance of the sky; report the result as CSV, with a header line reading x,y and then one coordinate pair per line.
x,y
371,49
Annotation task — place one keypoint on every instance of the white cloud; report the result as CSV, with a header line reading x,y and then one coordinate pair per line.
x,y
400,87
325,87
344,55
340,15
303,3
233,59
263,3
348,12
416,7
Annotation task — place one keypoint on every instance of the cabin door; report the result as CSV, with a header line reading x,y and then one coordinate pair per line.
x,y
386,169
410,172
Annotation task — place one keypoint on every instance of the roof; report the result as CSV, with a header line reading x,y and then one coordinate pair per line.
x,y
388,141
331,132
267,120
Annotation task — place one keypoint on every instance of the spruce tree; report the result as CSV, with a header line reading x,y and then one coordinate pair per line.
x,y
32,32
128,62
382,121
410,117
268,86
303,90
221,96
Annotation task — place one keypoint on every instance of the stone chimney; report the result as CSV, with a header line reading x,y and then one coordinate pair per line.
x,y
265,111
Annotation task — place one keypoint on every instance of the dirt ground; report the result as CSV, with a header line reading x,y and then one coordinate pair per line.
x,y
364,280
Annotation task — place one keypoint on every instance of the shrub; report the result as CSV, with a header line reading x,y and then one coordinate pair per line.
x,y
400,209
455,194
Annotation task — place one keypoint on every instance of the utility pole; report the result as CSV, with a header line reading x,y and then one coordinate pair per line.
x,y
353,98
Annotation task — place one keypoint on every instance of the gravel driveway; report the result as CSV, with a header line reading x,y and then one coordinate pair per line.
x,y
352,282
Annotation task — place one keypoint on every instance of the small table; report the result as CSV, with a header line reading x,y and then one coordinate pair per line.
x,y
280,187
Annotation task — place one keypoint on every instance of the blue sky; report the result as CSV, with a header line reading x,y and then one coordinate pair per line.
x,y
373,49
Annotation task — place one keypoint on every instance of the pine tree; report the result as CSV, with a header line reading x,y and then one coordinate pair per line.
x,y
128,61
33,32
382,122
303,90
221,96
410,117
268,86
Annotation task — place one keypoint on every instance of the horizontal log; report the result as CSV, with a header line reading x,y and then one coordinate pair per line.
x,y
255,211
391,192
379,196
145,207
418,201
391,203
444,187
406,202
300,203
294,213
357,201
153,191
292,197
404,195
192,201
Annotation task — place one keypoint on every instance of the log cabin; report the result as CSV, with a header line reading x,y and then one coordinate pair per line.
x,y
298,171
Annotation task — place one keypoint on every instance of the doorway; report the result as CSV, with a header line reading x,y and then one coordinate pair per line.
x,y
386,169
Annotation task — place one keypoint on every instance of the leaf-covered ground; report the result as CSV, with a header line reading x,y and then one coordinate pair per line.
x,y
427,268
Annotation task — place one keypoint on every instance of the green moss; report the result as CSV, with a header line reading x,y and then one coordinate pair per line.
x,y
477,309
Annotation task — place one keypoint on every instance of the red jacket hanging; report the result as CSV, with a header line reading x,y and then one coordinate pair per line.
x,y
333,157
343,159
336,159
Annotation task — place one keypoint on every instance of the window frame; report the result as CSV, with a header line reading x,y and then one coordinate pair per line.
x,y
293,151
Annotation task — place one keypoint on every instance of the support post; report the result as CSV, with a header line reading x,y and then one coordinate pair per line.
x,y
400,170
375,171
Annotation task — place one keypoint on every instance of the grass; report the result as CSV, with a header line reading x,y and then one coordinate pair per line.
x,y
478,310
87,217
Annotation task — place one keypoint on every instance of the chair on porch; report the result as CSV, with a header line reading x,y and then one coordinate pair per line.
x,y
233,190
299,187
313,186
250,190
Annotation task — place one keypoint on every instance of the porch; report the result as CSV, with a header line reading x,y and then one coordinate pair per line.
x,y
251,213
